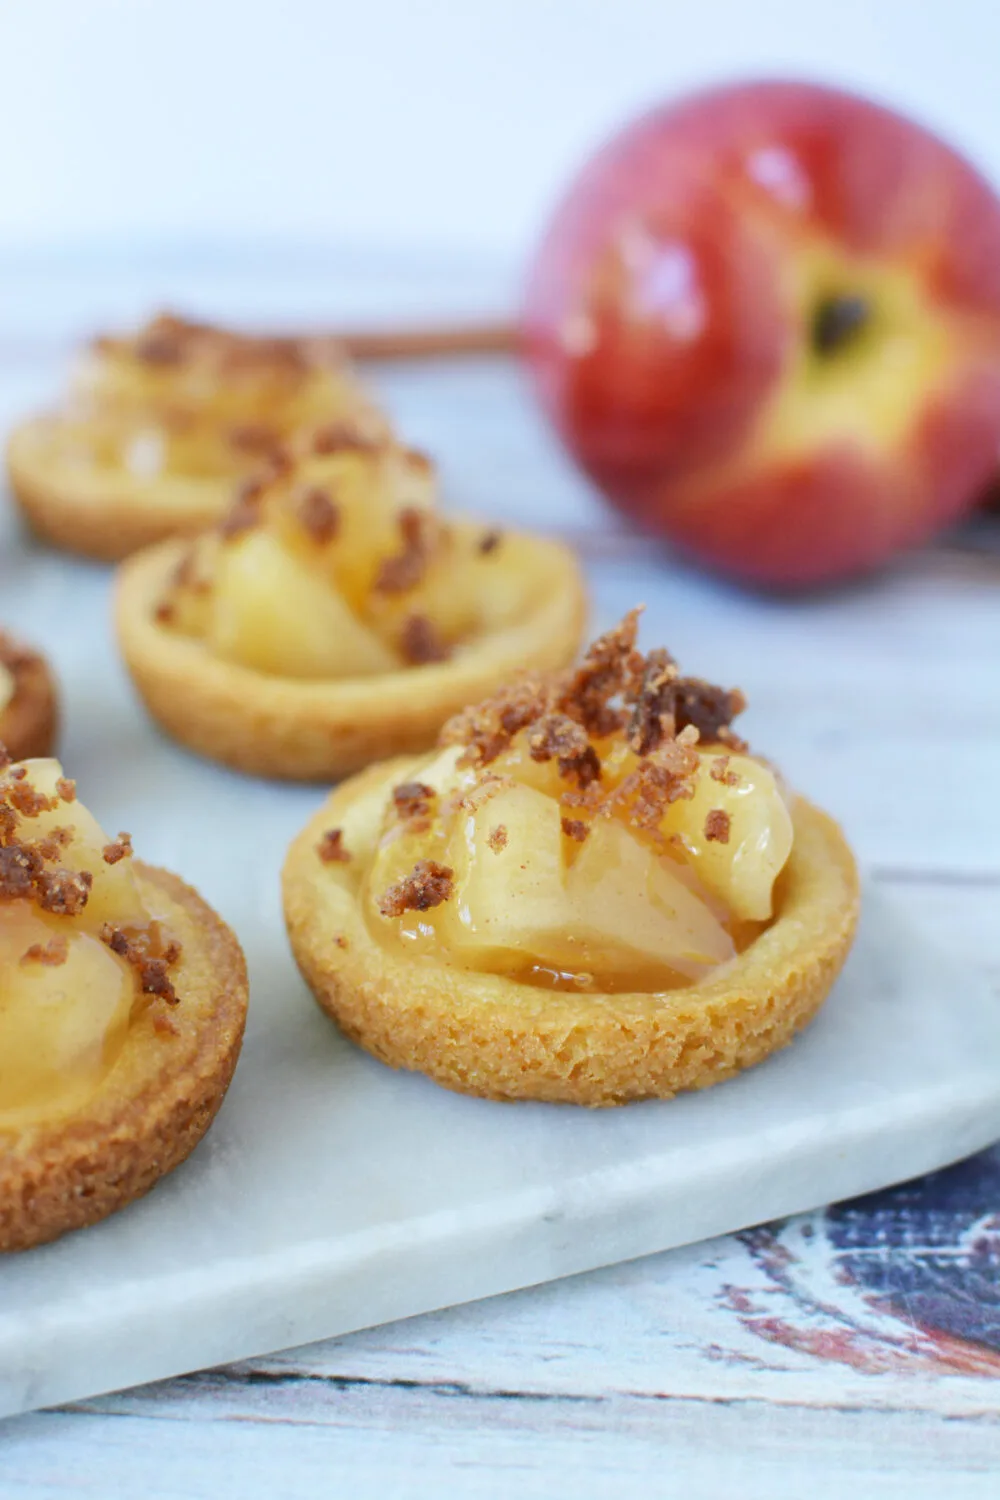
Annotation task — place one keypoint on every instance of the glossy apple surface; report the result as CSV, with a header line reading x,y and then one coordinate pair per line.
x,y
766,322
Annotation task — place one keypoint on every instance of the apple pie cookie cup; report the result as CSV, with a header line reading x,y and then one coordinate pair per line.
x,y
103,513
159,1098
309,729
123,999
488,1035
158,426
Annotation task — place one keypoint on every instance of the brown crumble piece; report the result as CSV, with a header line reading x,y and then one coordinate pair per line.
x,y
497,839
52,954
317,514
575,828
429,885
717,826
340,941
719,771
340,437
401,573
24,799
486,729
331,848
164,1025
119,848
186,575
559,738
139,952
420,642
652,718
244,513
489,542
164,613
254,438
413,800
66,789
65,893
611,668
52,845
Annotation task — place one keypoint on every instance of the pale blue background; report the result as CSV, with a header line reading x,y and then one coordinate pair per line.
x,y
398,123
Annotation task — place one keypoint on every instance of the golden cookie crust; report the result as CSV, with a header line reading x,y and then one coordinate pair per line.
x,y
319,731
29,724
155,1104
104,513
488,1035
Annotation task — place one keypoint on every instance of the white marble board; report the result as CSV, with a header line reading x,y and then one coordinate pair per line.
x,y
333,1194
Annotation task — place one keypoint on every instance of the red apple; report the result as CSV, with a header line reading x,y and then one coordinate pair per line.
x,y
766,321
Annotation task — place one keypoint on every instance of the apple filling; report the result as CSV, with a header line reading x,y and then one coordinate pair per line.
x,y
190,401
333,564
602,830
80,953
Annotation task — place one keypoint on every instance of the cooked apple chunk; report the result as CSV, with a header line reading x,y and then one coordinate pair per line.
x,y
605,827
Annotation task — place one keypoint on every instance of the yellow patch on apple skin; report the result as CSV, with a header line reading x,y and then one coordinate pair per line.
x,y
869,395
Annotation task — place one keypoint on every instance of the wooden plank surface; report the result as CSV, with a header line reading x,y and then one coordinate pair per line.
x,y
852,1350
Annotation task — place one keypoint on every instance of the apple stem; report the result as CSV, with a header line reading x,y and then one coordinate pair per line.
x,y
837,321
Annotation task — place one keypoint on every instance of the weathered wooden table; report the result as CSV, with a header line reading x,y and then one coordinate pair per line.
x,y
855,1350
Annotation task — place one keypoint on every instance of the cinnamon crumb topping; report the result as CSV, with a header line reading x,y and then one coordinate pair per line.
x,y
609,670
52,954
170,342
719,771
256,439
557,737
717,826
401,573
414,800
244,513
420,642
185,574
340,437
66,789
497,839
148,955
65,893
331,847
24,799
489,542
575,828
340,941
615,688
52,845
318,515
119,848
429,885
164,613
665,776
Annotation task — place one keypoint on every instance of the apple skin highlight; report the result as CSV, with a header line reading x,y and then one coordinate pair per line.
x,y
765,321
